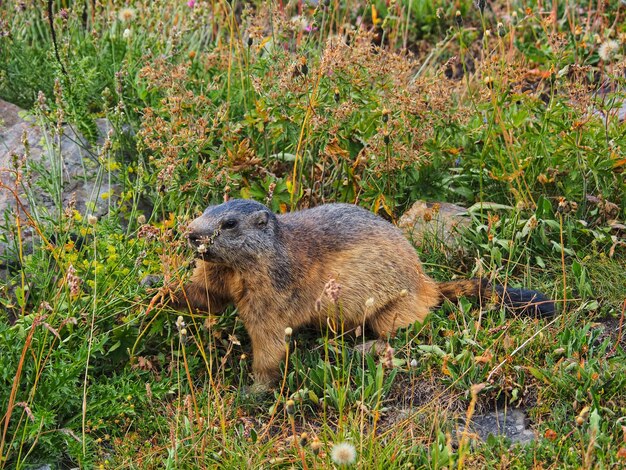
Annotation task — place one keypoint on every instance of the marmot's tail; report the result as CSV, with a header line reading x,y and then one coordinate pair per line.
x,y
529,302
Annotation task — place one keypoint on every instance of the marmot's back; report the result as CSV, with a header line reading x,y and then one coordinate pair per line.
x,y
337,226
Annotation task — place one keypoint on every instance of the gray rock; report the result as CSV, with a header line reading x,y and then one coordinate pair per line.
x,y
440,221
55,173
510,423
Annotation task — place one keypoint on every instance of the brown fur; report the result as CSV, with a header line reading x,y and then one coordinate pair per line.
x,y
282,285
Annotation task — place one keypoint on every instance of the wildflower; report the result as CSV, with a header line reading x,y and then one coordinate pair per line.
x,y
343,453
191,3
608,50
127,33
369,303
180,323
332,290
290,406
288,333
73,281
480,4
566,207
126,15
141,219
304,438
458,18
300,22
92,219
387,358
316,446
550,434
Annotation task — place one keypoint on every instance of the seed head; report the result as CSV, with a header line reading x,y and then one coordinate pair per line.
x,y
369,303
458,18
290,406
608,50
332,290
126,15
343,453
92,219
73,281
316,446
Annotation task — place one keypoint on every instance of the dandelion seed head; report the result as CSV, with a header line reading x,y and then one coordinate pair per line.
x,y
608,50
343,453
127,15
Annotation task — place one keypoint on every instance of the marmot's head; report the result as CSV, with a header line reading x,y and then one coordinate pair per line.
x,y
235,233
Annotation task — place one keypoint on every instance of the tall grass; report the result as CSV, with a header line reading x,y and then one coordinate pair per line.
x,y
509,109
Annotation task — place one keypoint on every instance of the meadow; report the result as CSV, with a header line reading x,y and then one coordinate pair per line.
x,y
512,109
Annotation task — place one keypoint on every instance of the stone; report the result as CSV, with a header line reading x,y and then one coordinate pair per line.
x,y
55,173
510,423
440,221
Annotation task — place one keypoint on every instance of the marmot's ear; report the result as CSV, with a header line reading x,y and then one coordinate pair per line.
x,y
260,218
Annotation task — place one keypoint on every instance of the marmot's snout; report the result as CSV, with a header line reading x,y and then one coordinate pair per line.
x,y
200,237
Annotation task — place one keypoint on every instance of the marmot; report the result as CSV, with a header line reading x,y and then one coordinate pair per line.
x,y
274,269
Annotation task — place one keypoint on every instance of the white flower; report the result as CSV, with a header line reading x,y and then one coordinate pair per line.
x,y
608,49
127,33
343,453
126,15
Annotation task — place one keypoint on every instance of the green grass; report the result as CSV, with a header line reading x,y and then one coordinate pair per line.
x,y
232,99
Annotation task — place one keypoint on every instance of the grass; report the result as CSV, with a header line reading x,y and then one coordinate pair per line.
x,y
505,109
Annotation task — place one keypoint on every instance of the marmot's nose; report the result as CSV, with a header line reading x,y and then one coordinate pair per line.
x,y
194,234
194,238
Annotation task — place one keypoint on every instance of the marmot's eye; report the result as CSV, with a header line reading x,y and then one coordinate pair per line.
x,y
229,223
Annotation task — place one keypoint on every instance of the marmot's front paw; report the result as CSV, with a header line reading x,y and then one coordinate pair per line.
x,y
259,388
